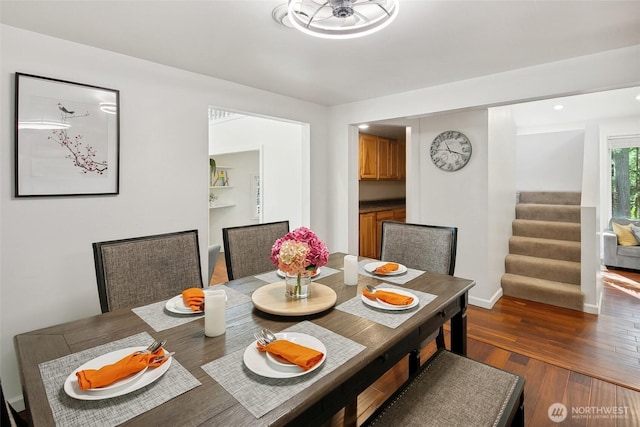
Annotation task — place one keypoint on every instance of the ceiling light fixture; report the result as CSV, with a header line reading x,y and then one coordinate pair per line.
x,y
364,126
340,19
558,107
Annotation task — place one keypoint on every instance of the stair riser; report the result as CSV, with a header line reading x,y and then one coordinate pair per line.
x,y
544,269
551,197
555,213
549,294
547,230
548,249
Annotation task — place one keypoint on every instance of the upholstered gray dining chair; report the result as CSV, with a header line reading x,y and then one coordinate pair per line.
x,y
247,249
421,247
214,252
141,270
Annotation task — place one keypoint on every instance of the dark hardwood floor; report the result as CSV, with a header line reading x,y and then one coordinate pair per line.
x,y
589,363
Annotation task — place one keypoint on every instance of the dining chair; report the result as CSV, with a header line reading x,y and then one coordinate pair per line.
x,y
10,417
247,248
421,247
418,246
214,252
141,270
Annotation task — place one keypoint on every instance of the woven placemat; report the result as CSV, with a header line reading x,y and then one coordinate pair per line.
x,y
159,318
258,394
392,319
68,411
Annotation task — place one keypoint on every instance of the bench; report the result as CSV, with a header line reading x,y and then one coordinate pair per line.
x,y
453,390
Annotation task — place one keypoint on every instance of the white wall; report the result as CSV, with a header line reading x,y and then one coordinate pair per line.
x,y
46,243
550,161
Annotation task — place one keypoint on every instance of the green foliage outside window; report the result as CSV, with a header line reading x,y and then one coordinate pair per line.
x,y
625,182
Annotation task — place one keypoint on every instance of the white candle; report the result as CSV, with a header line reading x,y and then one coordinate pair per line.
x,y
350,270
214,312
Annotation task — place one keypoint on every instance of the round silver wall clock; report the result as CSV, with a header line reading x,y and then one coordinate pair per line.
x,y
451,151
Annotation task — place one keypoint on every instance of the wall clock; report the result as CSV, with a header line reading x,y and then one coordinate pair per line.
x,y
451,151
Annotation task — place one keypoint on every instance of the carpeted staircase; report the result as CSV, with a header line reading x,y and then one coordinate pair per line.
x,y
543,264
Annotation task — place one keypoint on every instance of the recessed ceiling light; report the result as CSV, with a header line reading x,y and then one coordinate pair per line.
x,y
364,126
558,107
638,97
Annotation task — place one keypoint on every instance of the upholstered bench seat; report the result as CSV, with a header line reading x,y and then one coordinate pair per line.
x,y
452,390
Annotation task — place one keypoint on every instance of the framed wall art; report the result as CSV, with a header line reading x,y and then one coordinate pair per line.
x,y
67,138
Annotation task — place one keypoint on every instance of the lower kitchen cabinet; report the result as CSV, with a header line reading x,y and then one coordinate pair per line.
x,y
371,229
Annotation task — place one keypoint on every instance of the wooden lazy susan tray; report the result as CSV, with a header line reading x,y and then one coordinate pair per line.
x,y
271,299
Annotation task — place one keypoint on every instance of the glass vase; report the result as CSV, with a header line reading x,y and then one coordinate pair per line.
x,y
297,287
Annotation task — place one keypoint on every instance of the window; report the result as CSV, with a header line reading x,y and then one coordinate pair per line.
x,y
625,176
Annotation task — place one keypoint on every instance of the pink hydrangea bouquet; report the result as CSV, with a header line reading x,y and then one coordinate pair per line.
x,y
299,252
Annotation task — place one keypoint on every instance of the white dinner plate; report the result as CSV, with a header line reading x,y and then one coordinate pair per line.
x,y
371,268
258,363
284,275
177,305
384,306
122,387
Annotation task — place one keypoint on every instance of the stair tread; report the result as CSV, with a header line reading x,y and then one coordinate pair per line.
x,y
570,243
542,222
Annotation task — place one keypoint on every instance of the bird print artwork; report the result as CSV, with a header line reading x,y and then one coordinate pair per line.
x,y
64,110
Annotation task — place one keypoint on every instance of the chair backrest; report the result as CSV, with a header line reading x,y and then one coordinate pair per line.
x,y
423,247
214,251
142,270
247,249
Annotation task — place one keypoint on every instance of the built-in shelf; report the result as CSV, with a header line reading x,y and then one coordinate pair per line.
x,y
224,205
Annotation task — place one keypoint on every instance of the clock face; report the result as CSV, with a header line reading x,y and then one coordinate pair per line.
x,y
451,150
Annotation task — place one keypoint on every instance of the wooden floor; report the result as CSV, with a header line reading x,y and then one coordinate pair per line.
x,y
589,363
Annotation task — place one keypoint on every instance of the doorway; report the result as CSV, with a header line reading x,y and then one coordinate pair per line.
x,y
255,158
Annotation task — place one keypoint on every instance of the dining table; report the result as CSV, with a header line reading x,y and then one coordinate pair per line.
x,y
218,380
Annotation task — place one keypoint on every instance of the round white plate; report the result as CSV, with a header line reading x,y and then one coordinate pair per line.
x,y
284,275
122,387
371,267
177,305
384,306
258,363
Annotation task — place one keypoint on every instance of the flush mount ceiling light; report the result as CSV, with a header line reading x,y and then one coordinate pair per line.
x,y
341,19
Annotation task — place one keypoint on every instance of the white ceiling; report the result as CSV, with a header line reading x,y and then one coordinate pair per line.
x,y
430,43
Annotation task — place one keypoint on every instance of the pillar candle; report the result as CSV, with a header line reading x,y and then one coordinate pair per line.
x,y
350,270
214,312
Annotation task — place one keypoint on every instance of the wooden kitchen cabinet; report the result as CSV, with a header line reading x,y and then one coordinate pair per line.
x,y
371,229
368,151
380,158
402,160
368,235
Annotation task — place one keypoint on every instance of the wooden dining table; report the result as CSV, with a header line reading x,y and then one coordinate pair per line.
x,y
209,403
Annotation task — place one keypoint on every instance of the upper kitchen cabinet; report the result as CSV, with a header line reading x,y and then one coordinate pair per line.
x,y
380,158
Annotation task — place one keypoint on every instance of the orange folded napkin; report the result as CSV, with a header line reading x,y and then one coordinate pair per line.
x,y
388,297
193,298
387,268
123,368
300,355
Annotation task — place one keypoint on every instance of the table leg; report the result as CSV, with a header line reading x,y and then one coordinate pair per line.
x,y
459,328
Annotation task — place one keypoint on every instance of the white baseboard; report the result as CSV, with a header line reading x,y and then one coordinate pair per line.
x,y
484,303
594,309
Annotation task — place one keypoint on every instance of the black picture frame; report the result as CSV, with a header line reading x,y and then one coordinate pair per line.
x,y
67,138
